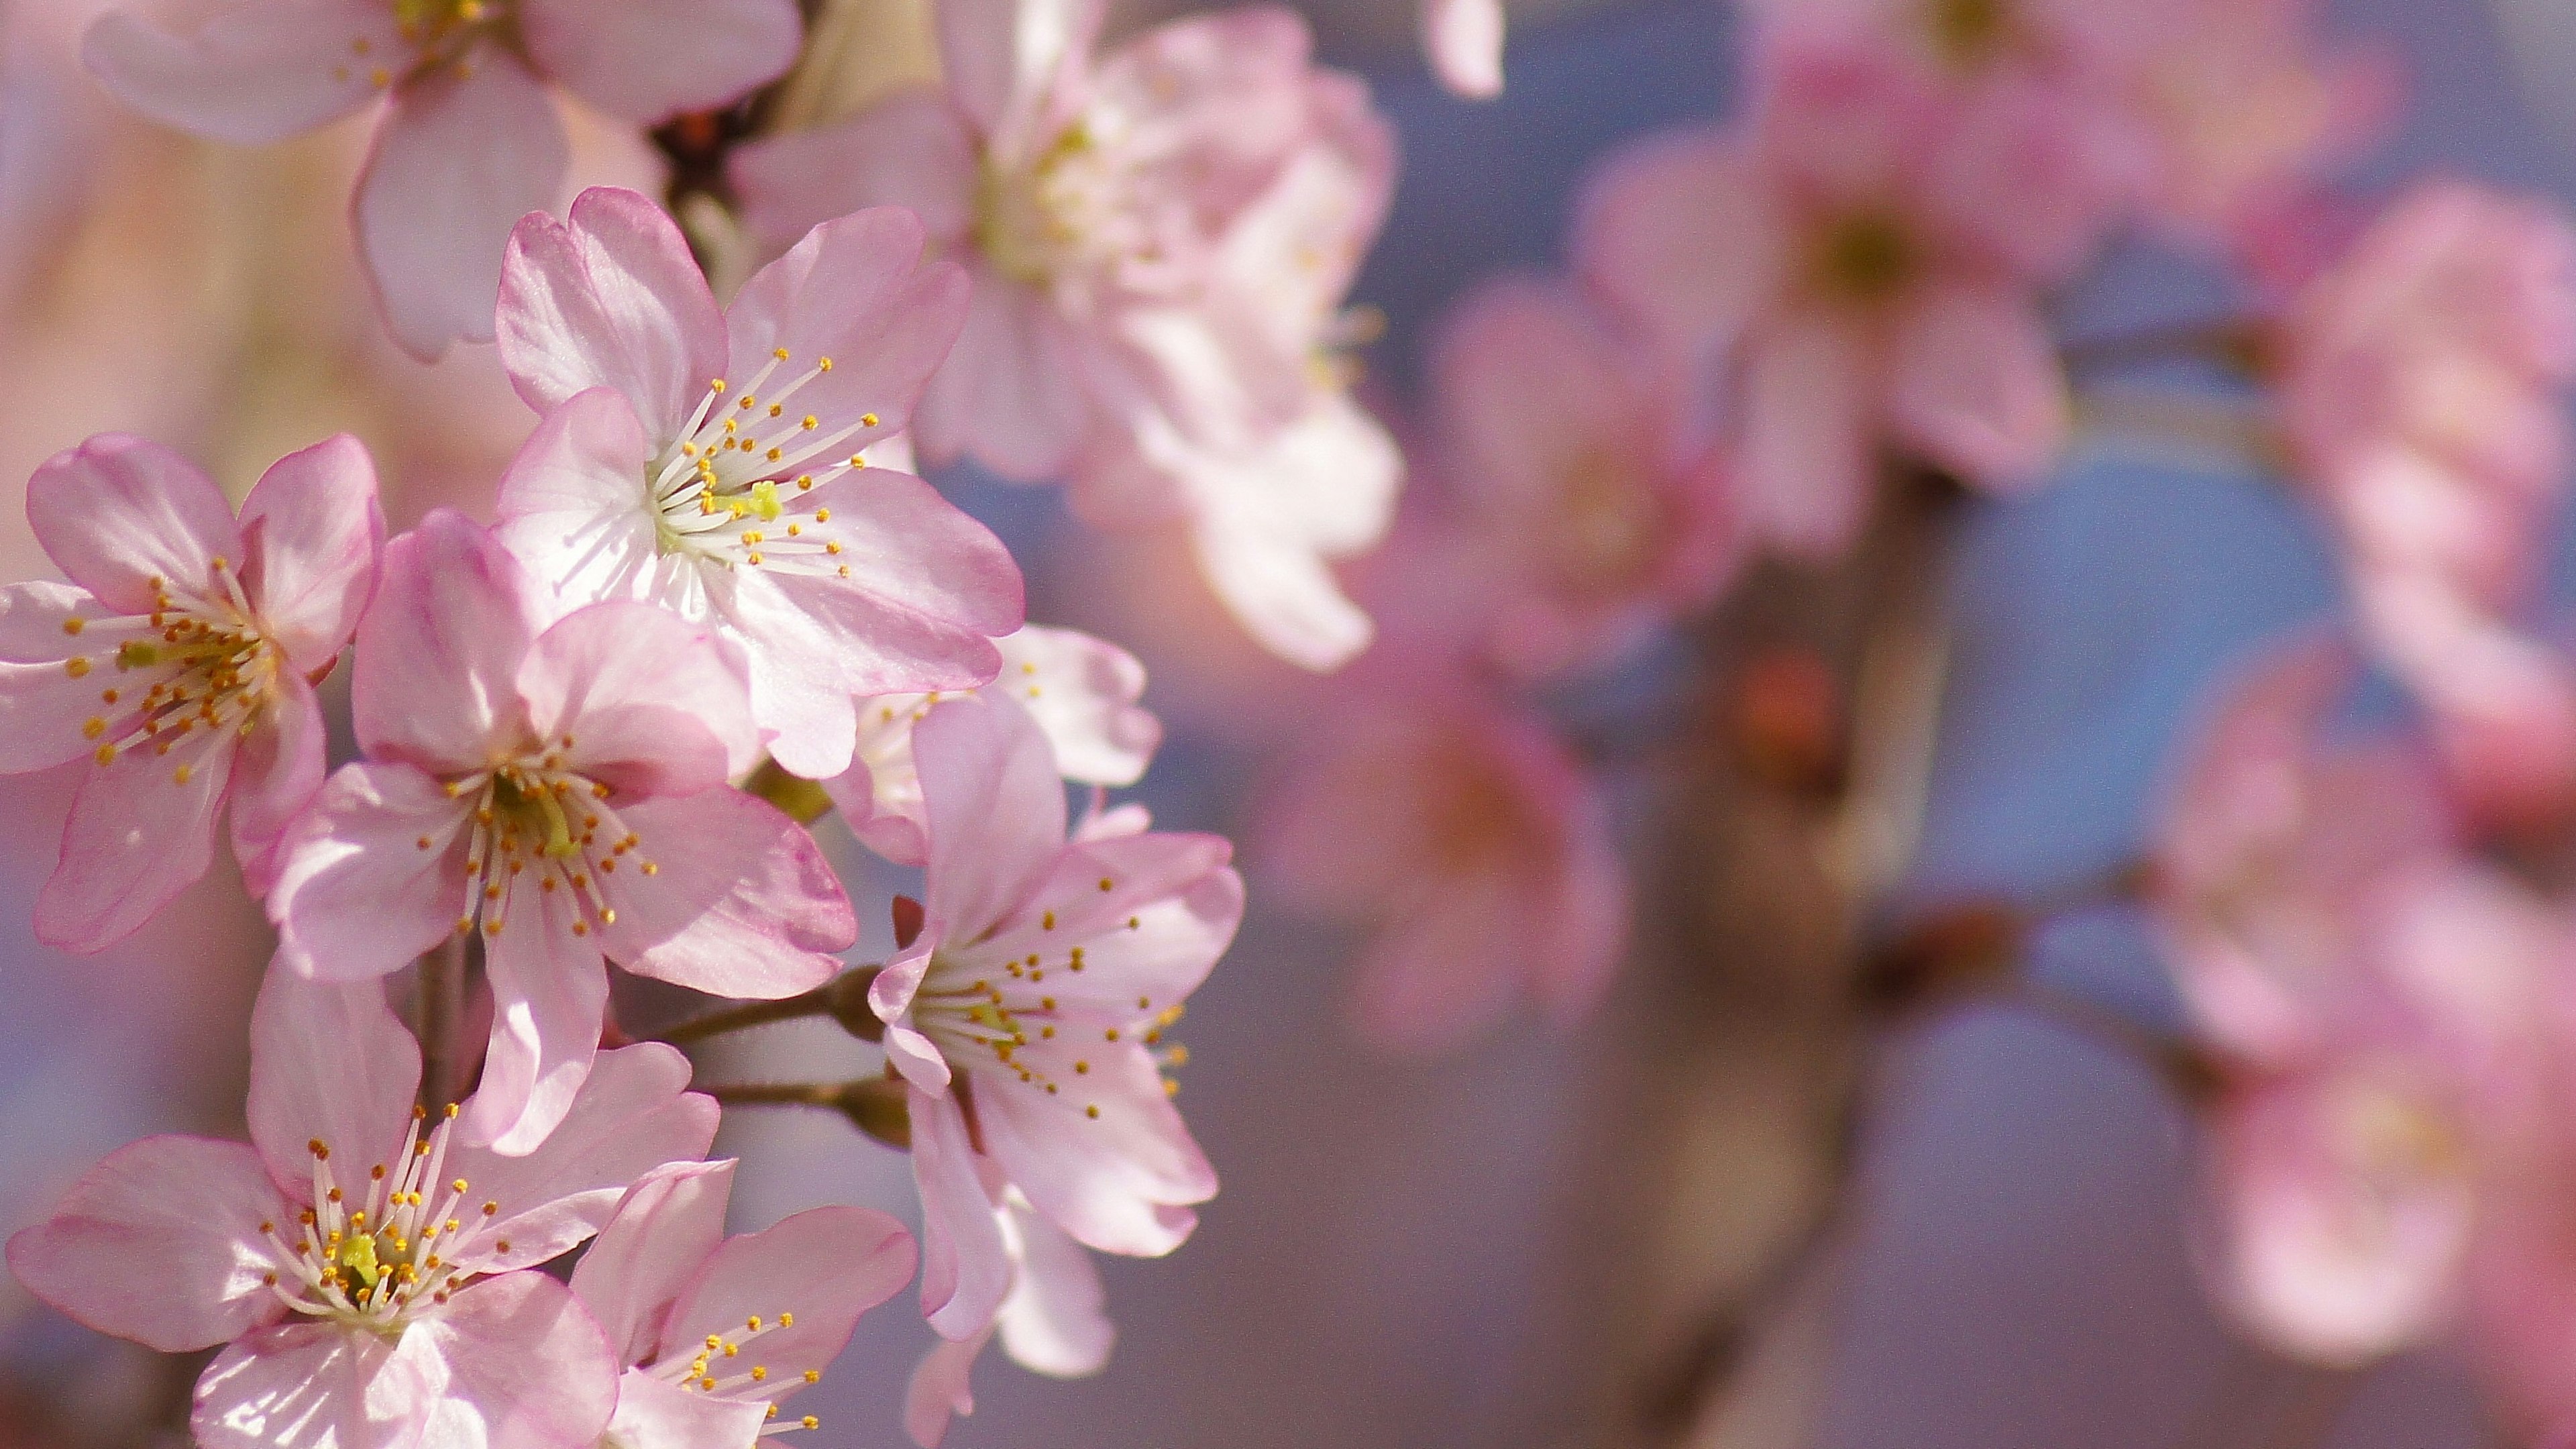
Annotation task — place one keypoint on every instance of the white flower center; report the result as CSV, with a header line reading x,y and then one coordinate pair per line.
x,y
731,489
195,663
378,1261
539,830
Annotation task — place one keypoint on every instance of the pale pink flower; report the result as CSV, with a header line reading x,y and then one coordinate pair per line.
x,y
1051,1323
712,1332
1844,294
1161,243
2273,839
2422,386
178,662
1475,845
471,141
1026,1015
564,786
1464,42
1081,691
364,1267
1588,513
709,461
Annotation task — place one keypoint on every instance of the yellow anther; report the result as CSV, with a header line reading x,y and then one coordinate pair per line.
x,y
74,624
93,727
76,666
867,420
779,353
823,364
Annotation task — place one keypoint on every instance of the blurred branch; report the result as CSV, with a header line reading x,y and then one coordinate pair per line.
x,y
844,999
2236,343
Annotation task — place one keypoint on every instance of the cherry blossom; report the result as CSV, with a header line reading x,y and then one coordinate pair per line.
x,y
2422,388
562,787
178,662
1081,691
1161,243
712,1332
1474,843
1464,40
470,141
1586,509
711,461
362,1267
1051,1322
1827,275
1027,1015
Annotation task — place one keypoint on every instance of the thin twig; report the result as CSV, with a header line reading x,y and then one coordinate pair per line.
x,y
746,1016
778,1094
2229,341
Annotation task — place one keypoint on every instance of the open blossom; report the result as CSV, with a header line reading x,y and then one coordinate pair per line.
x,y
178,662
363,1267
563,788
709,460
2423,384
471,141
712,1332
1026,1015
1475,845
1464,40
1589,514
1829,279
1161,243
1052,1322
1081,691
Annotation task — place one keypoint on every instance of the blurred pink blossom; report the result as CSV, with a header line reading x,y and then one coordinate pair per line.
x,y
1052,1322
2422,385
565,786
1588,515
1471,840
1081,691
470,141
1464,41
180,662
670,469
712,1332
376,1317
1836,286
1025,1016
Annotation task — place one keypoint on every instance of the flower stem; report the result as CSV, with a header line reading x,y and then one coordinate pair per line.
x,y
441,981
2234,342
876,1106
844,999
2180,1063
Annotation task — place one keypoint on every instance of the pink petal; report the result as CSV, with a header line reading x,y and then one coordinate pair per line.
x,y
1977,388
1011,392
1082,692
462,155
1055,1321
743,903
277,771
653,1413
356,896
644,60
312,530
573,505
142,829
633,1114
1182,899
811,719
856,290
908,150
610,298
1808,465
549,1002
1677,230
826,1266
160,1244
1445,969
1005,60
1120,1182
652,704
1282,593
308,1385
328,1064
253,73
436,682
524,1367
965,1269
667,1225
118,512
1464,39
996,812
942,1387
44,709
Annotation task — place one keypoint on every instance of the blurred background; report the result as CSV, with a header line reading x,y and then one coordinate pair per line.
x,y
1602,1236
